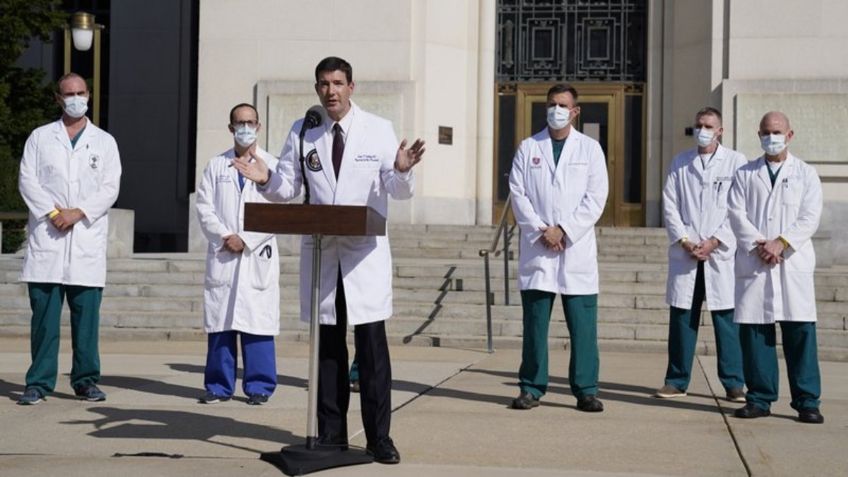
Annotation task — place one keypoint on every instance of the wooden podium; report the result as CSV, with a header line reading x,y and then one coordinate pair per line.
x,y
318,221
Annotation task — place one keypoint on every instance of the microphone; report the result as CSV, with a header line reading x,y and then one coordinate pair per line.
x,y
313,118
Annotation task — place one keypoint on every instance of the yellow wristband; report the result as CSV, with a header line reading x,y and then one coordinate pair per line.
x,y
783,241
52,214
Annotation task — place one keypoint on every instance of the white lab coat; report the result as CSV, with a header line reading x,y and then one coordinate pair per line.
x,y
367,177
792,209
86,176
241,291
695,206
571,194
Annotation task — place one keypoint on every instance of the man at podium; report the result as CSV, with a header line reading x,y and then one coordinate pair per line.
x,y
351,158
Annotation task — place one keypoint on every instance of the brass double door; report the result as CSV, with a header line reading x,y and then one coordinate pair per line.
x,y
613,115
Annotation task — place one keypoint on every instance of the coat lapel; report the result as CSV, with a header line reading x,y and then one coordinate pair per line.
x,y
571,145
353,144
547,150
763,173
62,135
322,141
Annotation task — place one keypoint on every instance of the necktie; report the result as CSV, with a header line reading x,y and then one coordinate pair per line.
x,y
338,148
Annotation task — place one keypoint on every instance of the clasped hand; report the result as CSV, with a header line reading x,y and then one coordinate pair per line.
x,y
66,218
701,251
553,238
770,251
233,243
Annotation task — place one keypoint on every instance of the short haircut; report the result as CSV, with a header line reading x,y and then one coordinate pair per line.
x,y
563,88
334,63
708,111
66,77
242,105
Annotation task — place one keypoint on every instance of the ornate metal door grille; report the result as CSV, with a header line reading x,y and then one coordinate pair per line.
x,y
571,40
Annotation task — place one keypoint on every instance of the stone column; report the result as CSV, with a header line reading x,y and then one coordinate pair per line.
x,y
485,110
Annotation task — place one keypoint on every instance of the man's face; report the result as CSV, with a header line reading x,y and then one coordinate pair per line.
x,y
71,87
334,91
244,116
564,100
775,124
709,122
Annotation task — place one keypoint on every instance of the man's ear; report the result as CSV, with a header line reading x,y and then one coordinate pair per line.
x,y
790,135
231,128
575,111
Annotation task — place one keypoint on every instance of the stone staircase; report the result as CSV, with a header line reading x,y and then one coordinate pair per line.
x,y
439,297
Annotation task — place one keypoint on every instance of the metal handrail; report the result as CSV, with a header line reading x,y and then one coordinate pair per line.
x,y
503,231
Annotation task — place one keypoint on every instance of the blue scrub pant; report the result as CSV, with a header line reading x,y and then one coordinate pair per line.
x,y
802,364
683,337
260,367
581,317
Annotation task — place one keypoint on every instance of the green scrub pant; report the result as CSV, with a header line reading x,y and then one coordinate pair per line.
x,y
581,316
802,364
683,337
46,302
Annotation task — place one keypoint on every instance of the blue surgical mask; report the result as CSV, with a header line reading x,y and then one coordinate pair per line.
x,y
75,106
773,144
558,117
704,136
245,135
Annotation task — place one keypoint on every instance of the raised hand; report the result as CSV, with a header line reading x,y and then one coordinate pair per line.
x,y
252,167
407,158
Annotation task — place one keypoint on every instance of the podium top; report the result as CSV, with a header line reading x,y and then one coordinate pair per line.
x,y
307,219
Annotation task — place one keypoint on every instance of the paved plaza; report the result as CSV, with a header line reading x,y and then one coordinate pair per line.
x,y
451,418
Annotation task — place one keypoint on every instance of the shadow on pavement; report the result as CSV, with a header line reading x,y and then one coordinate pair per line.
x,y
164,424
611,392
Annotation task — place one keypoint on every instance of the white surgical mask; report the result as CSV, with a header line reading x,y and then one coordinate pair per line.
x,y
76,106
558,117
245,135
704,136
773,144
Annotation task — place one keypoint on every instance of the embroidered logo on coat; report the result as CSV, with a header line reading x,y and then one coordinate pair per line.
x,y
536,161
312,161
93,160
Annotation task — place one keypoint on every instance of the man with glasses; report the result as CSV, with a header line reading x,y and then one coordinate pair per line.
x,y
241,297
69,178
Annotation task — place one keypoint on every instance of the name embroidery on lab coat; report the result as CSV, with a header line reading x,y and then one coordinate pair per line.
x,y
313,162
93,160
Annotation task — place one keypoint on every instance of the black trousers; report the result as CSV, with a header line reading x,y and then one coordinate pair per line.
x,y
375,375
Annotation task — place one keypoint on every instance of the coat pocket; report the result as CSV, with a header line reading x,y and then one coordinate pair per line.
x,y
261,273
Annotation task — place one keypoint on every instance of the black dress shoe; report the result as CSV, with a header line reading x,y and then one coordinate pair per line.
x,y
333,440
525,400
810,416
751,411
590,404
384,451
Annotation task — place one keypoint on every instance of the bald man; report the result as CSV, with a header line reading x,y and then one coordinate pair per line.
x,y
775,206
